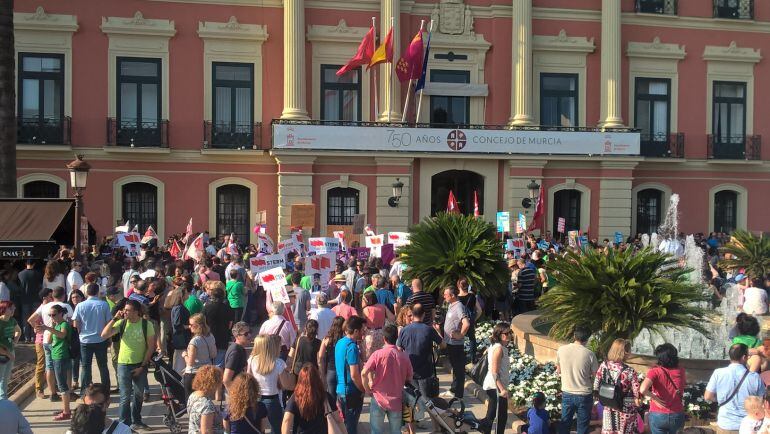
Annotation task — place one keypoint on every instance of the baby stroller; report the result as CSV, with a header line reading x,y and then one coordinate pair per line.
x,y
172,393
450,417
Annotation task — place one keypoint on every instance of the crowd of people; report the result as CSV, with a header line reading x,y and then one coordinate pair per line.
x,y
355,337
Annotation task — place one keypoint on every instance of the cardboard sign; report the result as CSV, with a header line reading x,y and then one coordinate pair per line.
x,y
618,237
369,230
322,245
129,241
266,244
503,221
398,239
515,245
303,215
572,237
359,220
274,281
287,246
267,262
522,222
375,241
561,225
324,264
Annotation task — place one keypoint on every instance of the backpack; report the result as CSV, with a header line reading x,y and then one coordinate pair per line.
x,y
611,392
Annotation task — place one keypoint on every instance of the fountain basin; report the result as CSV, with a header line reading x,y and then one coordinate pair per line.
x,y
531,338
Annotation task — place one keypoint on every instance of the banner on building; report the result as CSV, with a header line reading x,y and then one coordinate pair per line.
x,y
267,262
491,141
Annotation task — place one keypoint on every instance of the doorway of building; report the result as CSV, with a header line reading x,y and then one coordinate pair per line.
x,y
566,203
462,183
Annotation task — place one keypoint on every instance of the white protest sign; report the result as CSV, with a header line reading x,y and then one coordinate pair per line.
x,y
398,239
375,241
515,245
340,235
289,245
267,262
321,245
323,264
265,243
130,241
274,281
560,225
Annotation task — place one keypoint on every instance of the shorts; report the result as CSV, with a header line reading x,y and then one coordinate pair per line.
x,y
48,360
62,369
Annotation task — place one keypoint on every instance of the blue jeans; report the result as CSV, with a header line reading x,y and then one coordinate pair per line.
x,y
351,405
87,351
377,419
48,359
666,423
274,411
570,404
131,393
5,378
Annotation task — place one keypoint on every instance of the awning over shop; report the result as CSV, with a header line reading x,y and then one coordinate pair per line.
x,y
27,226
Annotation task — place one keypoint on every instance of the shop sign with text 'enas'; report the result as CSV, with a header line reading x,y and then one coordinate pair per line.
x,y
491,141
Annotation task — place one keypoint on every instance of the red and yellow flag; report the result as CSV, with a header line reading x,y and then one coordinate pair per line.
x,y
384,53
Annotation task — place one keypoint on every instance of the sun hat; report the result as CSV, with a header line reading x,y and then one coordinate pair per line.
x,y
339,278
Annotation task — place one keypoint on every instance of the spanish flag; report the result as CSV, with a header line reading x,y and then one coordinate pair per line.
x,y
384,52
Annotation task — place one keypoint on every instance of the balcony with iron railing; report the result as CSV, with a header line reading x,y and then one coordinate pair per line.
x,y
663,7
137,134
662,145
46,131
734,147
734,9
232,136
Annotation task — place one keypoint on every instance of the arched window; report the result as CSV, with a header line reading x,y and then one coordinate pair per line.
x,y
725,211
140,205
648,210
341,206
566,203
41,189
233,204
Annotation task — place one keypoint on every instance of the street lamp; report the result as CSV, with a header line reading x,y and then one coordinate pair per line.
x,y
534,189
78,178
398,189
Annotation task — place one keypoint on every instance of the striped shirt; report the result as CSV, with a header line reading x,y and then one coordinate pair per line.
x,y
526,281
427,302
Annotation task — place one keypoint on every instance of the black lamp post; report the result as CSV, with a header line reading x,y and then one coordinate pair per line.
x,y
398,189
533,188
78,178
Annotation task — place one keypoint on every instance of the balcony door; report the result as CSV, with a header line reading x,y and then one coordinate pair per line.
x,y
139,101
41,98
566,204
233,114
729,121
652,115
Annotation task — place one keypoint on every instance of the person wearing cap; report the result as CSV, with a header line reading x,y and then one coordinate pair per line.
x,y
90,317
322,314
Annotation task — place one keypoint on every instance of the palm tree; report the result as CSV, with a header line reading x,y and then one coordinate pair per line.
x,y
447,246
748,252
621,293
7,102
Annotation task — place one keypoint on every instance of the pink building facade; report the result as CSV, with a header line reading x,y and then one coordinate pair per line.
x,y
219,109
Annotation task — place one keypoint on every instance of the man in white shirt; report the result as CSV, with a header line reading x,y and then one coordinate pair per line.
x,y
323,315
278,325
74,278
58,297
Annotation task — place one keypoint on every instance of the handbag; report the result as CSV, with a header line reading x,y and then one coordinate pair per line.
x,y
432,385
333,426
288,377
611,393
479,370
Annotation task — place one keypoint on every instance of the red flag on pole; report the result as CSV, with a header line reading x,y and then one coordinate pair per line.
x,y
409,66
175,250
537,216
451,205
475,203
363,55
195,251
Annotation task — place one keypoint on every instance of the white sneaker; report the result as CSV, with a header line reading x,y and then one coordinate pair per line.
x,y
447,395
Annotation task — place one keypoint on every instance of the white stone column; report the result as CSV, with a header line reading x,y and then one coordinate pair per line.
x,y
521,64
294,94
610,116
389,9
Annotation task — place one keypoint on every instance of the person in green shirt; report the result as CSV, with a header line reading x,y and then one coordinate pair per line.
x,y
236,295
60,355
9,335
137,342
748,330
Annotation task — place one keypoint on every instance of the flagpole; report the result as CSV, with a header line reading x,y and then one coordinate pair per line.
x,y
406,102
422,89
374,76
392,72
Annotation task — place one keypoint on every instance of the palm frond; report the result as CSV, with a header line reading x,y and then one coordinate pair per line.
x,y
749,252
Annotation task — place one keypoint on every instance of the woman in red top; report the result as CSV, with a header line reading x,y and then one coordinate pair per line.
x,y
665,386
